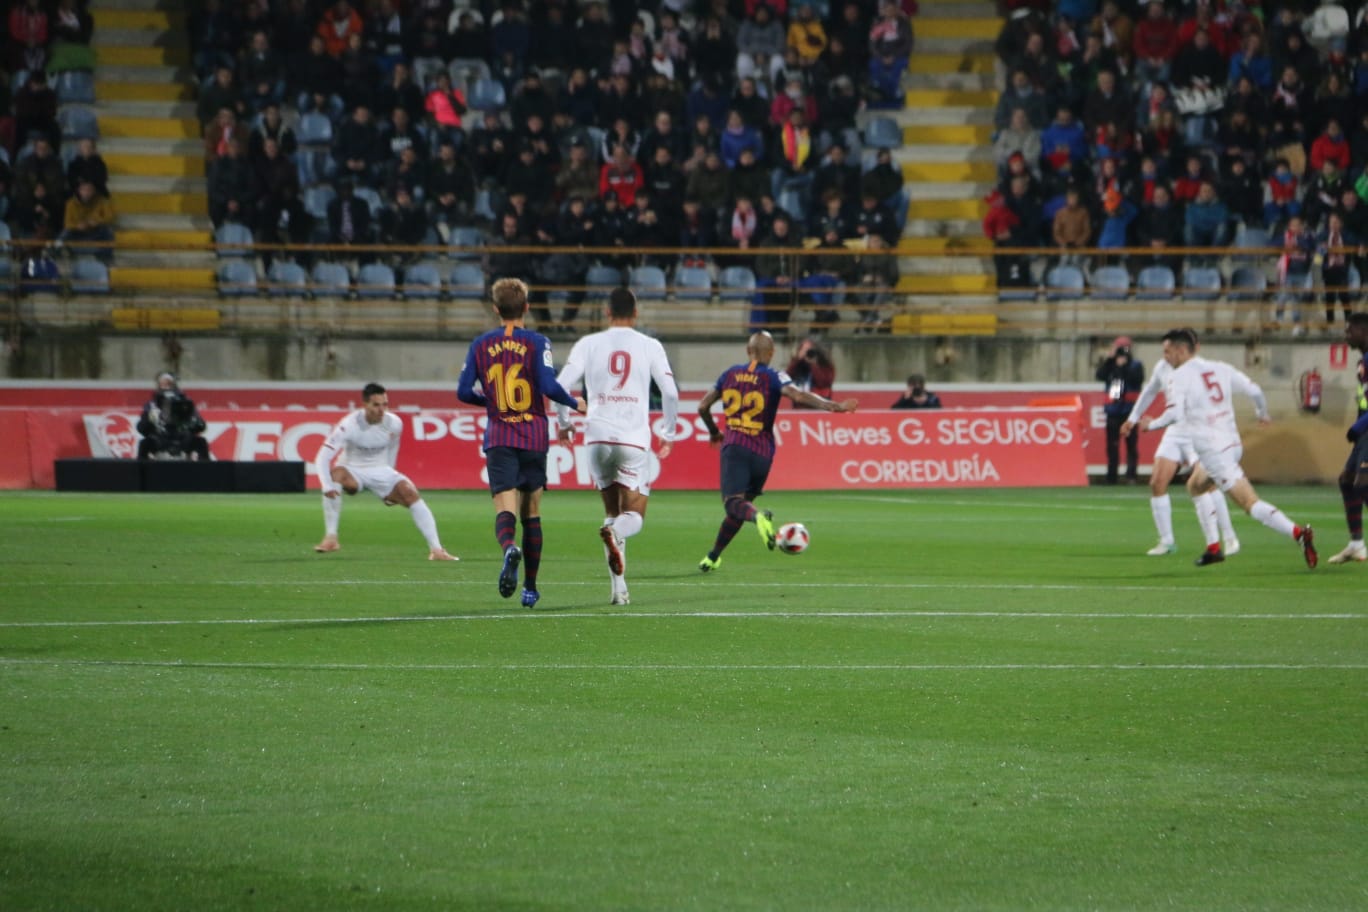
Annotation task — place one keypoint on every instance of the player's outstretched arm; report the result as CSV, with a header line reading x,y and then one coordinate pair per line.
x,y
812,400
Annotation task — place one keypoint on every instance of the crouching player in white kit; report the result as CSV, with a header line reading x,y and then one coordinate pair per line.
x,y
369,443
617,367
1202,404
1175,451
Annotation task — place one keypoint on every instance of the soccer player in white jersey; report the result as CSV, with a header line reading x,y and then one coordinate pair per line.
x,y
368,441
617,367
1202,402
1175,451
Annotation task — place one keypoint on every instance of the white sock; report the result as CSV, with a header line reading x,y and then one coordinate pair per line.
x,y
619,581
1206,518
423,519
1272,517
332,513
1162,508
1218,500
628,524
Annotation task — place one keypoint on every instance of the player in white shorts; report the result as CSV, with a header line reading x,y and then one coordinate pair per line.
x,y
617,367
1201,402
1175,451
368,441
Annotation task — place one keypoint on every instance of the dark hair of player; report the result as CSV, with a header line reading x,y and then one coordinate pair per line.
x,y
1184,337
371,389
1358,319
621,303
510,298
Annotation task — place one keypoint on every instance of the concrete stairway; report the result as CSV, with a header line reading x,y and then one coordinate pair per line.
x,y
947,155
150,140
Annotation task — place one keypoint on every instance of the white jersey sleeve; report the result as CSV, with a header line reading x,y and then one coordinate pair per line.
x,y
1157,383
618,366
1203,400
1242,384
334,444
569,378
395,427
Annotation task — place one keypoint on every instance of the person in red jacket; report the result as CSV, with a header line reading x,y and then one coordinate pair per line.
x,y
1155,43
1000,226
1330,146
622,176
338,24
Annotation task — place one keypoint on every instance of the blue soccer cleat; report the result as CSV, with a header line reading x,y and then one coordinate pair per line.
x,y
530,597
508,575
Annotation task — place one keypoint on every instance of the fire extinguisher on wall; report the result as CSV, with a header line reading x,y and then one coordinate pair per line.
x,y
1309,391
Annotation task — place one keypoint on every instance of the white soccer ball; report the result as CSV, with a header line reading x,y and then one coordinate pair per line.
x,y
792,538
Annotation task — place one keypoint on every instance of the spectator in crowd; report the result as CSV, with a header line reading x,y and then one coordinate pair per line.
x,y
349,218
1282,199
39,191
358,149
1160,225
231,186
885,180
697,229
877,276
737,136
1242,191
1119,213
89,218
873,217
224,129
261,73
271,125
1323,193
400,91
579,176
88,165
1003,227
1155,44
70,23
917,395
450,190
217,95
1063,144
823,280
1189,183
1021,93
837,173
1252,63
750,104
338,24
1108,103
714,53
1199,65
750,178
35,109
316,74
832,215
890,48
405,224
28,32
759,35
360,75
775,271
1330,146
1335,243
1019,138
1206,221
1294,274
1072,226
622,175
806,35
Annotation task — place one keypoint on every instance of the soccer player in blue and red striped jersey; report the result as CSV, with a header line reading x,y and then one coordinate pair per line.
x,y
1356,334
750,396
513,367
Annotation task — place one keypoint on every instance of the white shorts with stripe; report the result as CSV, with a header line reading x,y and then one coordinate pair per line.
x,y
617,463
379,480
1221,460
1176,446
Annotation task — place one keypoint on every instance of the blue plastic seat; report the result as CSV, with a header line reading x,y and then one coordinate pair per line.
x,y
883,133
316,200
1201,283
375,280
76,87
89,276
287,280
372,200
1064,283
233,239
463,242
467,282
487,95
736,283
648,282
693,283
237,278
331,279
1111,282
315,129
1248,283
422,280
603,279
1155,282
78,123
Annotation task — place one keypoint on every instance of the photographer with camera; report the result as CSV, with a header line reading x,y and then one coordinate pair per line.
x,y
1123,377
170,426
812,370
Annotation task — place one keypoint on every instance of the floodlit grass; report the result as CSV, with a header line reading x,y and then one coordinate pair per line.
x,y
954,700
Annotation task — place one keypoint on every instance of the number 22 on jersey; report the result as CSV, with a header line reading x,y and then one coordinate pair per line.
x,y
742,409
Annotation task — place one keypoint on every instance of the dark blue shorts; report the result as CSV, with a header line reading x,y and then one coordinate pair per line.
x,y
511,468
744,472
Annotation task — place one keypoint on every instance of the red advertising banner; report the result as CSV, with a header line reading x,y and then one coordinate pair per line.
x,y
442,448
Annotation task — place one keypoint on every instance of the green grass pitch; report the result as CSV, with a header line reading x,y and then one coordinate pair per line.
x,y
977,700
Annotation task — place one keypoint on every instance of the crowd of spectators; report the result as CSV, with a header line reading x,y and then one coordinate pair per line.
x,y
53,192
672,124
1197,124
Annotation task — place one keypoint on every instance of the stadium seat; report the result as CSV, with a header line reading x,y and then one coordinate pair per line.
x,y
791,201
1252,239
315,129
422,280
467,282
693,283
237,278
1155,283
331,279
76,87
78,123
316,200
736,283
89,276
287,280
1248,283
602,279
648,282
1016,294
883,133
375,280
487,95
466,71
463,242
1110,282
1064,283
233,239
1355,281
1201,283
372,200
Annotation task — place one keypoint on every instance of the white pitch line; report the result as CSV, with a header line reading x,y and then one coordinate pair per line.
x,y
690,582
691,615
576,666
